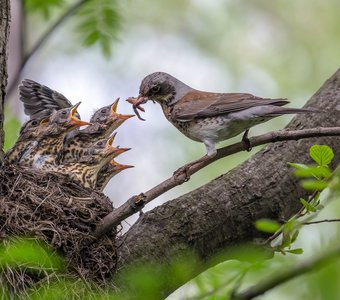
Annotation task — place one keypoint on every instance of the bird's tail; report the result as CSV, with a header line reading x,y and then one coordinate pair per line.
x,y
285,111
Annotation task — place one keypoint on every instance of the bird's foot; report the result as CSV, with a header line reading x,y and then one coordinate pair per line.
x,y
186,168
183,170
246,141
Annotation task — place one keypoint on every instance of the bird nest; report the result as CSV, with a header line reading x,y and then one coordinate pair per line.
x,y
49,207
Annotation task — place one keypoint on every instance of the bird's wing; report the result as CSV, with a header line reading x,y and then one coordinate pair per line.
x,y
39,100
196,104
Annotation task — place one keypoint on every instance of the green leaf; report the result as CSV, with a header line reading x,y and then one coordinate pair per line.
x,y
43,7
321,154
267,225
11,127
319,172
31,253
99,24
295,236
316,185
92,38
295,251
298,166
308,206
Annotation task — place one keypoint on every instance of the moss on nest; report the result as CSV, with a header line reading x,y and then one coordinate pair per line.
x,y
61,213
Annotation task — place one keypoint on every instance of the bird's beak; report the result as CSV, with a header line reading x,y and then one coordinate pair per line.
x,y
74,119
120,167
124,117
116,115
115,105
110,140
115,151
109,149
136,104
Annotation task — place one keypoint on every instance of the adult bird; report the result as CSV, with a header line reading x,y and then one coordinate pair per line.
x,y
85,170
48,149
208,117
103,122
108,171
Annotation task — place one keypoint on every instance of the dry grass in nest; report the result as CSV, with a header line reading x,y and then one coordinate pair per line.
x,y
61,213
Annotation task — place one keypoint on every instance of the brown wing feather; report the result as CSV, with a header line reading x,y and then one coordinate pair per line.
x,y
39,100
197,104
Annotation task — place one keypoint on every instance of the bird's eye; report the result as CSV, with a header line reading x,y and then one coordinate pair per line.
x,y
64,112
98,119
100,144
155,89
34,123
103,111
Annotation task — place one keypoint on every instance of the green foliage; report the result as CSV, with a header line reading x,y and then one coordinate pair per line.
x,y
11,127
43,7
321,154
30,253
309,207
99,23
267,225
318,176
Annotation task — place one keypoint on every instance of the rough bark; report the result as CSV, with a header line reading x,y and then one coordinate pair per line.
x,y
221,214
4,33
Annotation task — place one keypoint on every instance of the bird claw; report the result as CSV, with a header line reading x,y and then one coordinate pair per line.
x,y
247,145
246,141
136,102
183,170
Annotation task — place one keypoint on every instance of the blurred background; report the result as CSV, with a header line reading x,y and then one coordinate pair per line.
x,y
268,48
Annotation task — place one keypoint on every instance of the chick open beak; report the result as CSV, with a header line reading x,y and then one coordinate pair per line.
x,y
117,151
119,167
117,115
74,119
110,140
115,105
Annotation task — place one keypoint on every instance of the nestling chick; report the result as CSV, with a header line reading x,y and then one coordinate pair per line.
x,y
48,149
85,170
104,121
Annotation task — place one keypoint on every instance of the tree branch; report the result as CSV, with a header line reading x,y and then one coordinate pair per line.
x,y
280,277
136,203
42,40
321,221
4,34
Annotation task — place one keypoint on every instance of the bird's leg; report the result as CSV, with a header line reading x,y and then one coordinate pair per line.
x,y
211,152
246,141
185,169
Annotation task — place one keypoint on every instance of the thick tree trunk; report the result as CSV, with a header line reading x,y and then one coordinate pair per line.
x,y
222,213
4,33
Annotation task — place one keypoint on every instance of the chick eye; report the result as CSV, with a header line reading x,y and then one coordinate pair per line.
x,y
100,144
34,123
103,111
155,89
64,112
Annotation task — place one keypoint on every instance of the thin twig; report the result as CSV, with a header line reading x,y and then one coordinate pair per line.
x,y
321,221
136,203
282,276
299,214
72,10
